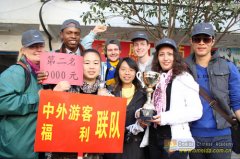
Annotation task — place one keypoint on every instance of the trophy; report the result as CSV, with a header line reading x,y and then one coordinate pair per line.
x,y
148,79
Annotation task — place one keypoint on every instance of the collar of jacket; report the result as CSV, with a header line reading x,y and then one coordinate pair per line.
x,y
63,48
137,95
23,60
214,56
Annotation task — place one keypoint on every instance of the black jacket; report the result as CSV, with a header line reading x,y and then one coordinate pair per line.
x,y
137,102
131,150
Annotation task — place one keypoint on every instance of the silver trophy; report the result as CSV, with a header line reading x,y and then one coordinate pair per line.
x,y
148,79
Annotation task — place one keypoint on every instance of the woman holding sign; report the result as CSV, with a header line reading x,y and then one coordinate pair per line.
x,y
176,100
91,74
91,85
128,86
19,100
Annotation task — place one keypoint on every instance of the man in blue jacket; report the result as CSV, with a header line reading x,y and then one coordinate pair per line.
x,y
221,80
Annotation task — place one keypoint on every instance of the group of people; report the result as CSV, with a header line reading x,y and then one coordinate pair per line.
x,y
185,124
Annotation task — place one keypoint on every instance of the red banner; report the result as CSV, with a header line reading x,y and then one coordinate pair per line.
x,y
72,122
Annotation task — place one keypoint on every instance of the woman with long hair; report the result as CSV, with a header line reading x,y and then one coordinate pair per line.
x,y
177,102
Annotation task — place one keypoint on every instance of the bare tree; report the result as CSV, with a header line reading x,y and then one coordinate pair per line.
x,y
166,18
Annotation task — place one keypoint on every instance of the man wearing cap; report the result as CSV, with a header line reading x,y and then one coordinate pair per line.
x,y
70,36
141,47
112,52
19,100
221,80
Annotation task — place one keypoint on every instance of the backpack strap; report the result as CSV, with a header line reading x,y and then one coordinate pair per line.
x,y
63,49
27,74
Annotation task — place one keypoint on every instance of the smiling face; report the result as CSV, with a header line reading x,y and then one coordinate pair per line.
x,y
33,52
141,47
71,38
166,58
91,67
126,74
113,52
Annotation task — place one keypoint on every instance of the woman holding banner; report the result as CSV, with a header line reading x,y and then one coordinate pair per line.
x,y
91,83
19,99
128,86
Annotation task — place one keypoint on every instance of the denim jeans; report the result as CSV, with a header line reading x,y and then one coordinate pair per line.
x,y
218,147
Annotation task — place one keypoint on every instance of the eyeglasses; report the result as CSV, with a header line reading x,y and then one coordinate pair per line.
x,y
127,70
206,40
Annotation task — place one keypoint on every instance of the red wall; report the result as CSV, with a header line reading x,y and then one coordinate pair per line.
x,y
127,49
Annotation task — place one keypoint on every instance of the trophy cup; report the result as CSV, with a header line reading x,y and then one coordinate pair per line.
x,y
148,79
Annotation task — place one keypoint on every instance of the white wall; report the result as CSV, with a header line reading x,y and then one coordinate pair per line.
x,y
54,12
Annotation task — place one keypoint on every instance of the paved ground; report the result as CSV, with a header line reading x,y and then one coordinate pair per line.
x,y
235,156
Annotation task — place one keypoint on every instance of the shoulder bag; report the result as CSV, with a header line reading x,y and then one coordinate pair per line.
x,y
235,129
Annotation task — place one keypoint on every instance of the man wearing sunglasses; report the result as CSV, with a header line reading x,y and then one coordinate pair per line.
x,y
221,80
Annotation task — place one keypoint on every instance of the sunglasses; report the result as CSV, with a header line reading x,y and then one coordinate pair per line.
x,y
206,40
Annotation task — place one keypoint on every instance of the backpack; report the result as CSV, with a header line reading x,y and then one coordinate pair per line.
x,y
27,74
